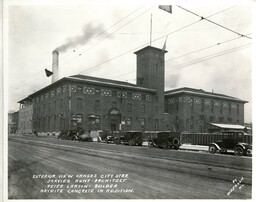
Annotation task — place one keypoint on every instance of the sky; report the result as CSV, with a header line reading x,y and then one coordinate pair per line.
x,y
99,39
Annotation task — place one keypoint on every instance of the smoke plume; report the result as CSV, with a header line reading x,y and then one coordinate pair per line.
x,y
88,32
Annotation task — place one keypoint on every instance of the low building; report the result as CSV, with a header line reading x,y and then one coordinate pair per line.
x,y
192,110
13,121
25,125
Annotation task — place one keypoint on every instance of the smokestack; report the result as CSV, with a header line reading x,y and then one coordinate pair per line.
x,y
55,66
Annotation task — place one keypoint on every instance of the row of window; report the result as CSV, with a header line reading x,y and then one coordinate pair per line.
x,y
212,106
203,118
45,123
94,91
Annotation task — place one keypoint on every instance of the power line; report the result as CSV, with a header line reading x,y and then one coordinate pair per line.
x,y
107,36
32,77
157,39
220,43
198,60
203,18
199,50
140,46
180,66
110,27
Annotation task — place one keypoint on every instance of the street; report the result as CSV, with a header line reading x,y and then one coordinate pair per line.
x,y
48,168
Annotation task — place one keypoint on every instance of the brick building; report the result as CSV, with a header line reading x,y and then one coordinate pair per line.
x,y
13,121
25,124
102,104
192,109
95,103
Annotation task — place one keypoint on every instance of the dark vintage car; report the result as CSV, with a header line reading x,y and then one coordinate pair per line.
x,y
231,140
68,135
163,139
131,138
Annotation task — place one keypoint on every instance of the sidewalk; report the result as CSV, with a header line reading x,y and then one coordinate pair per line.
x,y
194,147
188,147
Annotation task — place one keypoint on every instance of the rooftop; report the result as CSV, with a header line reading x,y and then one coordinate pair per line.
x,y
201,92
91,80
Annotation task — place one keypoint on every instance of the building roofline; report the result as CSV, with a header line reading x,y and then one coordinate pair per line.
x,y
165,51
202,93
104,82
112,83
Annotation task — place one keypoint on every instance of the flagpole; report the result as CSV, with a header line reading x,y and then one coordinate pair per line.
x,y
150,30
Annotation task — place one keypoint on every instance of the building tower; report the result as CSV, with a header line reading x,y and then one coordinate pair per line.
x,y
151,73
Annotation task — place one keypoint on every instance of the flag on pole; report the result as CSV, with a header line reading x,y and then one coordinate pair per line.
x,y
167,8
48,73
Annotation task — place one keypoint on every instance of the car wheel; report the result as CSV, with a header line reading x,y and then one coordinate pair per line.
x,y
166,145
176,147
150,144
239,151
212,149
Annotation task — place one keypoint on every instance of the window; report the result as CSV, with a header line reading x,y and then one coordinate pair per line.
x,y
143,97
229,108
202,105
212,106
142,123
129,107
177,104
237,109
55,105
114,104
129,95
192,122
79,89
156,124
49,107
221,107
156,109
61,103
143,109
79,118
128,121
114,93
221,119
192,104
97,121
97,106
79,103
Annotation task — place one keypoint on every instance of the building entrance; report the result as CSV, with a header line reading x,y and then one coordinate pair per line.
x,y
113,127
114,117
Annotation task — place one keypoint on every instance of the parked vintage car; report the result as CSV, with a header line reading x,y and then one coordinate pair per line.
x,y
131,138
68,135
84,136
163,139
231,140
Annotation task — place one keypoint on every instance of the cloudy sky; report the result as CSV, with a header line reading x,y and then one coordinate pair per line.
x,y
98,39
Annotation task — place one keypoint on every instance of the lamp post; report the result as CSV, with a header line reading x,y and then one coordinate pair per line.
x,y
92,119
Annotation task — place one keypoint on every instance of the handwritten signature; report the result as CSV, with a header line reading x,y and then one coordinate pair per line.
x,y
237,184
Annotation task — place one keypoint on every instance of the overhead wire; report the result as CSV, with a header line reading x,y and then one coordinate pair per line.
x,y
205,18
198,60
36,74
107,36
102,32
140,46
157,39
179,66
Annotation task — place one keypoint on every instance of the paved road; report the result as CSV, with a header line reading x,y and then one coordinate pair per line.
x,y
145,173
